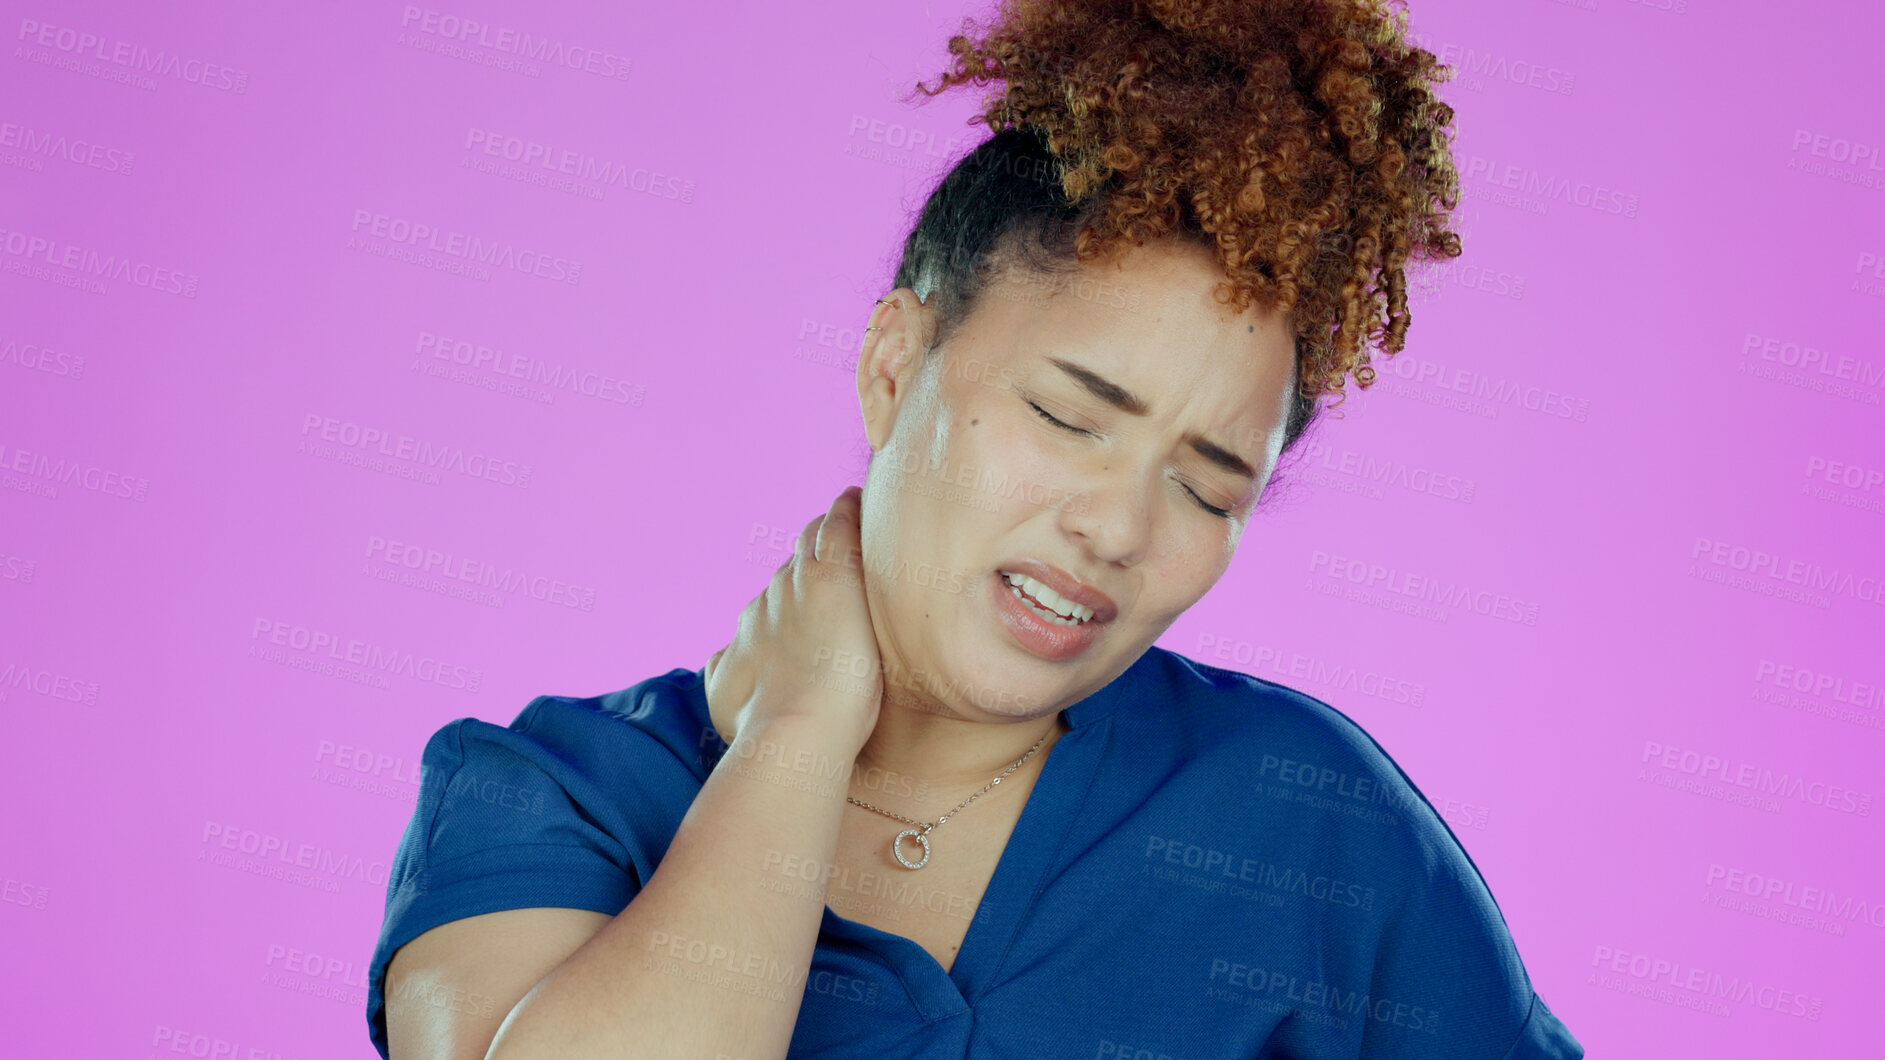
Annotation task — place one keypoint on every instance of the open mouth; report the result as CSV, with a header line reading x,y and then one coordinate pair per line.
x,y
1048,604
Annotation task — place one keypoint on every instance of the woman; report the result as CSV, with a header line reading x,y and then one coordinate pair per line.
x,y
942,795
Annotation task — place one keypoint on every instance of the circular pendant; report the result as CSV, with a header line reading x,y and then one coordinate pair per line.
x,y
896,847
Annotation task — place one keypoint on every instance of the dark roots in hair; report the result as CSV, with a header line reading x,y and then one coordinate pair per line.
x,y
1301,140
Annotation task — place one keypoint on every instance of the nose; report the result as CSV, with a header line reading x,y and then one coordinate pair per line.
x,y
1111,517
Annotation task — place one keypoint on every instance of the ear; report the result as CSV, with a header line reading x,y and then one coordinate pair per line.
x,y
890,358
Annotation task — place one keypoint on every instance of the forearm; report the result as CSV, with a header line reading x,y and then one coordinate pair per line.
x,y
710,957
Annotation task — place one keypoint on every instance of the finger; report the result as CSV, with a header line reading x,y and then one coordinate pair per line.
x,y
838,533
807,542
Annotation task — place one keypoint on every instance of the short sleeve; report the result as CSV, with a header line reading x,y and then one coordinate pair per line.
x,y
1544,1037
502,821
1448,982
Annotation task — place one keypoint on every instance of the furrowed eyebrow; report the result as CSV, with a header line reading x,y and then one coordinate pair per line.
x,y
1221,456
1125,401
1106,390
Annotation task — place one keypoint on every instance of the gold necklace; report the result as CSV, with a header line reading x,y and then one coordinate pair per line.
x,y
922,837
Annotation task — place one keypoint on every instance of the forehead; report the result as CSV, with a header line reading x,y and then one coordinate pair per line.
x,y
1148,322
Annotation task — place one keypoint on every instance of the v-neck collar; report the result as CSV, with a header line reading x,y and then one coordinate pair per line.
x,y
1035,844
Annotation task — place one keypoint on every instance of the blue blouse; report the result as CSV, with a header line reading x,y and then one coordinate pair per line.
x,y
1209,865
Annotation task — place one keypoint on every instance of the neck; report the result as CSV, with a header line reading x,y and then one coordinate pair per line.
x,y
920,758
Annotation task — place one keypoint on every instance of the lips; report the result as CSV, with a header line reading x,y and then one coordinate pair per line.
x,y
1068,586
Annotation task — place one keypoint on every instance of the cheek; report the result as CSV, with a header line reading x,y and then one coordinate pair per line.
x,y
1018,472
924,553
1186,564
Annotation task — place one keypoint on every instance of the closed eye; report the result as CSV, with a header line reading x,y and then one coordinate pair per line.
x,y
1049,418
1221,513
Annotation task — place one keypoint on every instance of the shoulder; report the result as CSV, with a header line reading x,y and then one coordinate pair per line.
x,y
607,772
1320,791
1223,713
1269,746
570,806
576,798
663,715
657,721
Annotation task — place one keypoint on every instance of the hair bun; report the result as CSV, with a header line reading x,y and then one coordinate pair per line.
x,y
1304,136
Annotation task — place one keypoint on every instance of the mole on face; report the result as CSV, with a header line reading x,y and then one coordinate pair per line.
x,y
974,422
1250,327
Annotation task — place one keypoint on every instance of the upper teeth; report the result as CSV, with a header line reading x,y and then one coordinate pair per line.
x,y
1048,598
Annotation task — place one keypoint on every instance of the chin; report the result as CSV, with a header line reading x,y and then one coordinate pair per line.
x,y
975,687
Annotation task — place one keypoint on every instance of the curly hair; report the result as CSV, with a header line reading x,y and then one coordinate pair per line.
x,y
1300,139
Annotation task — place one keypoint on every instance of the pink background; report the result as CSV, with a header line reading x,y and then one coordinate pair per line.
x,y
1644,410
